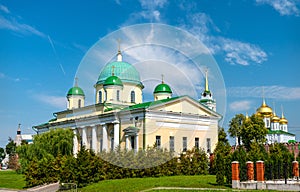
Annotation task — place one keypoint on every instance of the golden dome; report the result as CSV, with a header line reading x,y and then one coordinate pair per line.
x,y
264,110
275,118
283,120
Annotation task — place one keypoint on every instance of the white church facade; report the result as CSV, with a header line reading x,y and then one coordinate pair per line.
x,y
120,117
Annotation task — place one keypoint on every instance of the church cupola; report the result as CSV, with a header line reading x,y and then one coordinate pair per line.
x,y
113,87
283,122
75,97
162,91
119,83
206,97
275,121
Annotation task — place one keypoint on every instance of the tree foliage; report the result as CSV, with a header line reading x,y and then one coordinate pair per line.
x,y
10,148
47,146
2,154
50,159
222,162
235,127
253,130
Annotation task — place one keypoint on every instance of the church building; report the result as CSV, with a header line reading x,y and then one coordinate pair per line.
x,y
120,117
277,127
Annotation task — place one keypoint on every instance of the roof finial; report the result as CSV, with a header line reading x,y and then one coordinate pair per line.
x,y
263,96
274,107
119,55
113,70
162,78
282,115
206,80
76,82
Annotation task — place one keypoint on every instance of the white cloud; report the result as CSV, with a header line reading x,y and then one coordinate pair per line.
x,y
15,26
10,22
150,11
284,7
272,92
4,9
236,52
152,4
240,105
55,101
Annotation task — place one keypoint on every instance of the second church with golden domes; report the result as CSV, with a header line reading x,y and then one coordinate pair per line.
x,y
278,127
121,118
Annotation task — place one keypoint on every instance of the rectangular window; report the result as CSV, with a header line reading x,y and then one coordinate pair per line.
x,y
158,141
184,143
172,148
118,95
208,145
197,142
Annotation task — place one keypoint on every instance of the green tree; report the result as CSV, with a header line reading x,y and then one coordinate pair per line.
x,y
2,154
253,130
48,145
10,147
235,127
222,163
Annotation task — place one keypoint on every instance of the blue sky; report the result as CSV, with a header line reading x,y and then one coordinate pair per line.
x,y
255,43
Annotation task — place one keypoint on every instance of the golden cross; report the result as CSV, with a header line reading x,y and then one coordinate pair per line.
x,y
162,78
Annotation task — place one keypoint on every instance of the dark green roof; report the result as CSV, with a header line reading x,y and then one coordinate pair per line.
x,y
113,80
148,104
280,132
162,88
206,100
75,91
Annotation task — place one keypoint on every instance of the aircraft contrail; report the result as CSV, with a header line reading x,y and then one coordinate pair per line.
x,y
56,55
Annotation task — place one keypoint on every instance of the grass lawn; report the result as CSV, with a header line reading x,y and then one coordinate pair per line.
x,y
12,180
139,184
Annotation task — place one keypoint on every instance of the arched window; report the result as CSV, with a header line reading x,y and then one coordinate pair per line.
x,y
105,95
79,103
100,97
132,97
118,95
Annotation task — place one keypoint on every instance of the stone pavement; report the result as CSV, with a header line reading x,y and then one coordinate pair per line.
x,y
45,188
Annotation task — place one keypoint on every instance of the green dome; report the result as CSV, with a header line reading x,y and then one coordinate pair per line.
x,y
113,80
162,88
75,91
125,71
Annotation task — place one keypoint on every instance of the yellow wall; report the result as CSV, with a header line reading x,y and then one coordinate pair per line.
x,y
73,101
125,93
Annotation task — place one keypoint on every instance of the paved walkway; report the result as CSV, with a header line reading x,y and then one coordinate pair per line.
x,y
45,188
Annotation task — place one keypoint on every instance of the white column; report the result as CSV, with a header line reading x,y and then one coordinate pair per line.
x,y
84,137
94,138
104,137
136,146
116,134
75,143
127,142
